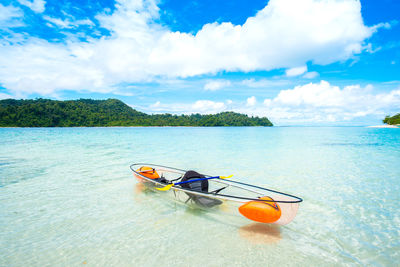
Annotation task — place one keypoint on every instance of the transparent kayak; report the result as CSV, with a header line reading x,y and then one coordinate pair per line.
x,y
192,188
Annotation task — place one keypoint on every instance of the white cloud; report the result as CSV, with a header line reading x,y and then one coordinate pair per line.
x,y
207,105
37,6
67,23
267,102
156,105
296,71
385,25
321,102
10,16
251,101
5,96
320,95
311,75
200,106
312,103
140,50
216,85
263,83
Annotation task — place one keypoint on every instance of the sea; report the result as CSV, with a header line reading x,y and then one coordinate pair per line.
x,y
68,197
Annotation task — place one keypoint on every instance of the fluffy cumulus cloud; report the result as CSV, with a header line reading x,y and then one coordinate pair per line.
x,y
284,34
251,101
312,103
323,102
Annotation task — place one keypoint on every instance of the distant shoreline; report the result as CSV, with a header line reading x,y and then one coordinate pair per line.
x,y
172,126
384,126
183,126
108,113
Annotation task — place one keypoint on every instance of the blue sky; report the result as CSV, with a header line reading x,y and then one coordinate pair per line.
x,y
298,62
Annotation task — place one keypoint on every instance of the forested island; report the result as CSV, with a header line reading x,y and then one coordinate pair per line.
x,y
393,120
110,112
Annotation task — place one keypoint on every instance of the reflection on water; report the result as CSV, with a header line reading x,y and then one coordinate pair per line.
x,y
139,188
257,233
260,233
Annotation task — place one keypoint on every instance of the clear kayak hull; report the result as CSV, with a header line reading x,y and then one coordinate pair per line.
x,y
252,202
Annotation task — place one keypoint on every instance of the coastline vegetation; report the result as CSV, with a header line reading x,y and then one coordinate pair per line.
x,y
110,112
392,120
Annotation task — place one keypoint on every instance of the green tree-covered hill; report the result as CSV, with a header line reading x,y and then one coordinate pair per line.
x,y
392,120
111,112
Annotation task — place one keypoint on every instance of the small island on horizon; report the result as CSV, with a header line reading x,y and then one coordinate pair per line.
x,y
392,120
105,113
389,122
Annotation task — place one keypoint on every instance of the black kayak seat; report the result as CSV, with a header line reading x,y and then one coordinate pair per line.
x,y
162,180
200,186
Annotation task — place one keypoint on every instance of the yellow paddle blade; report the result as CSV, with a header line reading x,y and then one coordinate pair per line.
x,y
165,188
226,177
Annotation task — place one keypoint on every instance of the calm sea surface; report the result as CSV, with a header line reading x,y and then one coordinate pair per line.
x,y
68,197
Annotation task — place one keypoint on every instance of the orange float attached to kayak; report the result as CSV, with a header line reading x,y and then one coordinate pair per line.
x,y
261,211
148,172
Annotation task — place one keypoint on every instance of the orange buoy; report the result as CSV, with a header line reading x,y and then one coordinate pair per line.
x,y
261,211
148,172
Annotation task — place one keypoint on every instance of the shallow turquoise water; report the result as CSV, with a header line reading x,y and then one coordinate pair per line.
x,y
67,197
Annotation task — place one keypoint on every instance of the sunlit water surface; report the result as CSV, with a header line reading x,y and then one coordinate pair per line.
x,y
68,198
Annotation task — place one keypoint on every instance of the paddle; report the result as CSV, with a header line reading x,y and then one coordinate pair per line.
x,y
167,187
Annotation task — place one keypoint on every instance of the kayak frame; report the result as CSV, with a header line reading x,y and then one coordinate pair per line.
x,y
217,195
